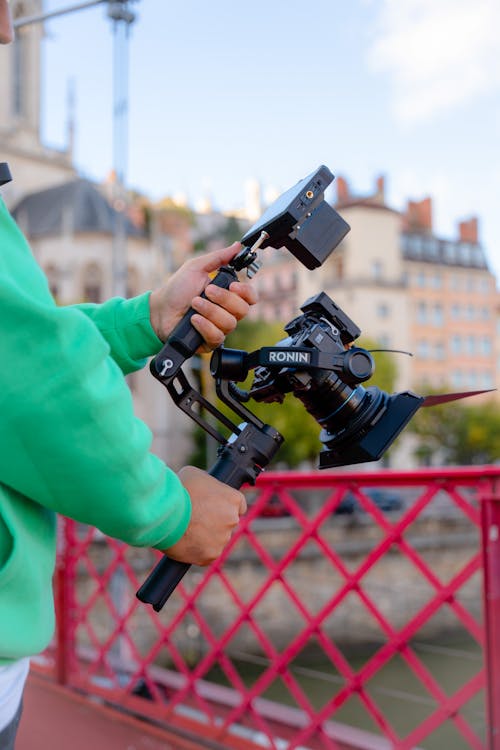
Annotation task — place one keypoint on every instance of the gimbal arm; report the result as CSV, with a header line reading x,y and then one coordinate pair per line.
x,y
241,458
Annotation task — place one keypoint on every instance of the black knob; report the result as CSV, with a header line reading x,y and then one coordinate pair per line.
x,y
358,365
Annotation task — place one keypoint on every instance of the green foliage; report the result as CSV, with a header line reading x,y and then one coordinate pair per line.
x,y
386,369
458,433
230,232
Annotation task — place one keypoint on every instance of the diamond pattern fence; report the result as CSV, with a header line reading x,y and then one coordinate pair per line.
x,y
350,610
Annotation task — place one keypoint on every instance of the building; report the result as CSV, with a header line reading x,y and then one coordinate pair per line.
x,y
34,165
453,297
405,287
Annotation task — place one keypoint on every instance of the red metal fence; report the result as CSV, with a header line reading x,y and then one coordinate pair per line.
x,y
350,610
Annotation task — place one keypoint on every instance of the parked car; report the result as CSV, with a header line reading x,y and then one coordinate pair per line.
x,y
385,501
274,507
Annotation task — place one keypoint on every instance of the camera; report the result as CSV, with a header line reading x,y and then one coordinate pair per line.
x,y
319,365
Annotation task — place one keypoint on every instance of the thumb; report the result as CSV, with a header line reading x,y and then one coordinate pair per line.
x,y
212,261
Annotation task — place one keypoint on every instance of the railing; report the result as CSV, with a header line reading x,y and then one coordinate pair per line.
x,y
373,628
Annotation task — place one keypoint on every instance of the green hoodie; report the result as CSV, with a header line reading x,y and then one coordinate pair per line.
x,y
69,440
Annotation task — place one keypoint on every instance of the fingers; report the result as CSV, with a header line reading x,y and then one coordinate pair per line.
x,y
218,313
236,300
213,260
211,334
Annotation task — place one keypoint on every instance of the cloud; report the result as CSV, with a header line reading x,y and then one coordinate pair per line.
x,y
439,55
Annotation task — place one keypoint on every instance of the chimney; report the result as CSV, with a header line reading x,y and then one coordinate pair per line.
x,y
468,231
419,216
343,193
380,189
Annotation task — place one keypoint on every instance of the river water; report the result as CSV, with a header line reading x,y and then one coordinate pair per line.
x,y
398,693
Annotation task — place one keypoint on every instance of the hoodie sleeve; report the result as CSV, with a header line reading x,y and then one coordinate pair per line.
x,y
126,326
70,439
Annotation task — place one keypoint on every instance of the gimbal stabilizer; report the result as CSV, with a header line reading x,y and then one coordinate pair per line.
x,y
317,362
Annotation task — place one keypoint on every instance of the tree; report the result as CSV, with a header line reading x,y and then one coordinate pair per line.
x,y
386,369
458,433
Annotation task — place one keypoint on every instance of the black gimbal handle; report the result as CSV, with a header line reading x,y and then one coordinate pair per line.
x,y
240,461
184,340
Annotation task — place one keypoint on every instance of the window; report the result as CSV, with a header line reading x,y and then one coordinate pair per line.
x,y
486,346
383,310
422,312
431,247
415,244
487,380
420,279
439,350
465,254
53,277
377,269
456,344
384,341
133,283
92,283
449,252
438,315
437,281
423,349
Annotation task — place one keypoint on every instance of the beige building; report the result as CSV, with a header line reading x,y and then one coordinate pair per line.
x,y
34,165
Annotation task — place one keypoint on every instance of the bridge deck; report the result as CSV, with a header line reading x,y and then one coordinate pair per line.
x,y
59,719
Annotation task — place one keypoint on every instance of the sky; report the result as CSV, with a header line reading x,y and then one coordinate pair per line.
x,y
222,92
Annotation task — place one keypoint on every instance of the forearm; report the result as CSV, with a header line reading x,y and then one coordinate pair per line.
x,y
70,439
126,327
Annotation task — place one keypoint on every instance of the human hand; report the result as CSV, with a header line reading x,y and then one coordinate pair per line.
x,y
215,512
215,316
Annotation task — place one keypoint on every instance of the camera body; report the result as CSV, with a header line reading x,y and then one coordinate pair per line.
x,y
318,365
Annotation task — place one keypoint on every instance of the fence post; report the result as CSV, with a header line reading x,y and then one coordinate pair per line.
x,y
64,591
490,517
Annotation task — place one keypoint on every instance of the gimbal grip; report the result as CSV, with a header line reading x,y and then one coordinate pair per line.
x,y
165,576
186,339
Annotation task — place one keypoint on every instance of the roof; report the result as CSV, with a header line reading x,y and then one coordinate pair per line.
x,y
77,205
365,203
422,246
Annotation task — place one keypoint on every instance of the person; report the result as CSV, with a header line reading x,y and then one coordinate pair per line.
x,y
71,444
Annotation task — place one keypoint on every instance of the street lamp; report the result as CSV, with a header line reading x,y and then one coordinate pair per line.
x,y
122,16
